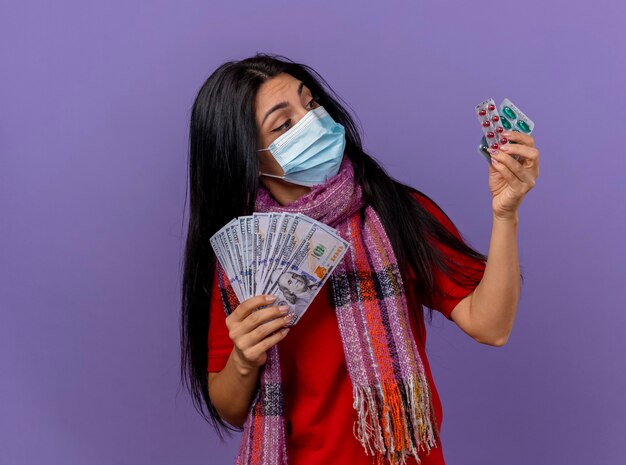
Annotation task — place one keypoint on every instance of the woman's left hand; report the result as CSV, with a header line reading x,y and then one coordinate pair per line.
x,y
510,179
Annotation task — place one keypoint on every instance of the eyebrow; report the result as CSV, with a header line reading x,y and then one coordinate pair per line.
x,y
280,105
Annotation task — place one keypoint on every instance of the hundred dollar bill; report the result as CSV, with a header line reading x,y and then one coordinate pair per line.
x,y
259,230
286,254
232,254
233,240
282,230
241,232
274,219
226,257
245,223
313,260
295,230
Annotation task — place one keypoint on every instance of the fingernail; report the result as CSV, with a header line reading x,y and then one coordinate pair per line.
x,y
507,133
284,331
283,308
505,147
289,318
494,161
270,298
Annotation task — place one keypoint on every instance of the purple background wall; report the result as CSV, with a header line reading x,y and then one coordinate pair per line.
x,y
95,99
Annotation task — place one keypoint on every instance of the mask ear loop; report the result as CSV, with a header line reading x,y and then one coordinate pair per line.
x,y
272,175
267,174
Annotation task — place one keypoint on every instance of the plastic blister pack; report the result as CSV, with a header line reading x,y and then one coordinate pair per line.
x,y
494,122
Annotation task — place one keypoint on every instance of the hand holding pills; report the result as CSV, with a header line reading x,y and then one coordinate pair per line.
x,y
510,149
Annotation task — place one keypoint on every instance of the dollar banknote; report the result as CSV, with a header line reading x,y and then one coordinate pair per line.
x,y
289,255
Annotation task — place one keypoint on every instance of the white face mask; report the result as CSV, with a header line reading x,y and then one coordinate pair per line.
x,y
311,151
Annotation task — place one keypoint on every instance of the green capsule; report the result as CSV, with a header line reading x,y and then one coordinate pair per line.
x,y
505,123
523,126
508,112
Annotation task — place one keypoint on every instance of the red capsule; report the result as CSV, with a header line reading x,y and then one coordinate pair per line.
x,y
495,118
503,140
491,107
495,146
500,129
486,123
490,135
482,112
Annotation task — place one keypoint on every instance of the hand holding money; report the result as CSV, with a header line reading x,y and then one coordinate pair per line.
x,y
288,255
253,331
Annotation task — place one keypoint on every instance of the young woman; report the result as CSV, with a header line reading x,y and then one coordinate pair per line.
x,y
350,382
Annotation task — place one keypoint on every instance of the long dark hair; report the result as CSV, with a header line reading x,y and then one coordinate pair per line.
x,y
223,180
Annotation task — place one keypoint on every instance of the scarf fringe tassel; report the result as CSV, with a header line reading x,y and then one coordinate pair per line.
x,y
382,426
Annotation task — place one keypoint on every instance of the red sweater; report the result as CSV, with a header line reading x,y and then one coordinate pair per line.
x,y
317,388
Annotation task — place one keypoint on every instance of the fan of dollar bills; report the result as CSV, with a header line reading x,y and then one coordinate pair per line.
x,y
288,255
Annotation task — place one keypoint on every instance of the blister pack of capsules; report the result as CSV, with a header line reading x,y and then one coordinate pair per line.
x,y
494,123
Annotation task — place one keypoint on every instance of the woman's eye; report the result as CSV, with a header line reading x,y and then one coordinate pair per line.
x,y
313,100
282,126
286,123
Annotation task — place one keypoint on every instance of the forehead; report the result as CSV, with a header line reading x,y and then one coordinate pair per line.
x,y
281,87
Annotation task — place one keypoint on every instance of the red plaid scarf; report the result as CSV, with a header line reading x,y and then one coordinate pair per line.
x,y
391,393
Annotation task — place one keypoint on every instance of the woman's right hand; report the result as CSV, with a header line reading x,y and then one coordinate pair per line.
x,y
253,331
